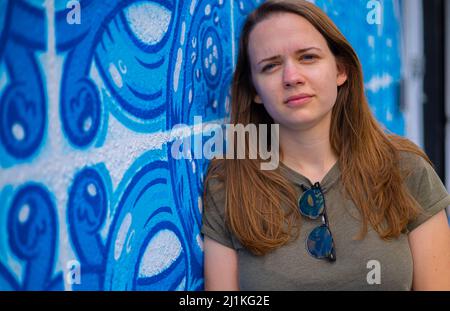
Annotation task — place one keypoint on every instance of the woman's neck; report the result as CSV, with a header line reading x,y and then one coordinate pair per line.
x,y
308,151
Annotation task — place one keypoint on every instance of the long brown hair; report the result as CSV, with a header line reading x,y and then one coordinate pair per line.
x,y
368,157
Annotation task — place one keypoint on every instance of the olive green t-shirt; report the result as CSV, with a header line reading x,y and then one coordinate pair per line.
x,y
368,264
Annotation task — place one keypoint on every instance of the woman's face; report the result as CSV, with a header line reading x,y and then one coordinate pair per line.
x,y
293,71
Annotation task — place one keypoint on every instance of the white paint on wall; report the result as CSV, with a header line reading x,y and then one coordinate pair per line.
x,y
122,235
176,74
148,21
379,82
115,75
162,250
233,39
192,7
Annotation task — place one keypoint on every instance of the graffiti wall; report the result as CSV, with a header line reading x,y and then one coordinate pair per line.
x,y
90,196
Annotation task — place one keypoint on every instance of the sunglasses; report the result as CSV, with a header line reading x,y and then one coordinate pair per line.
x,y
320,242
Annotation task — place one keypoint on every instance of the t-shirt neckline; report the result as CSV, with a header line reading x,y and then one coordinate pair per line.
x,y
326,183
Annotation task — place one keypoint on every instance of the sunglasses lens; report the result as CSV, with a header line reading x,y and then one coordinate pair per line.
x,y
320,243
311,203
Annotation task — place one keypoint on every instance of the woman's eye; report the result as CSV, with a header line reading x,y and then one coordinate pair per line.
x,y
308,57
268,67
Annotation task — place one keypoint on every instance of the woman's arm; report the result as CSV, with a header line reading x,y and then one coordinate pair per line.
x,y
221,266
430,247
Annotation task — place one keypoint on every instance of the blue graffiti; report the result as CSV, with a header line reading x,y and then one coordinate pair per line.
x,y
126,58
86,213
145,237
80,108
204,88
33,231
7,280
210,51
204,82
23,104
165,273
81,115
129,50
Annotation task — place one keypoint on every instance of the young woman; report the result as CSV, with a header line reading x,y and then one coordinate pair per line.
x,y
349,207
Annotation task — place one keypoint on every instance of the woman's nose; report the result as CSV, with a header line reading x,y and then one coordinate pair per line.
x,y
292,75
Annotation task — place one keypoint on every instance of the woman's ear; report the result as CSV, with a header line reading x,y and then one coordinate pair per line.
x,y
257,99
341,74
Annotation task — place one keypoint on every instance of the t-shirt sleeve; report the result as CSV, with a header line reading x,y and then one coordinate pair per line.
x,y
427,188
214,225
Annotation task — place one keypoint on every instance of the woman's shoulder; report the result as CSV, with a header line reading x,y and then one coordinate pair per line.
x,y
415,168
411,156
424,184
214,185
411,160
214,177
422,180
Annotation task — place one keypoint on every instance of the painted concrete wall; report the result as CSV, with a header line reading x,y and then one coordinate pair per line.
x,y
90,196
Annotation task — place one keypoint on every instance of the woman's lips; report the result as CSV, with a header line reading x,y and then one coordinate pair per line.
x,y
299,100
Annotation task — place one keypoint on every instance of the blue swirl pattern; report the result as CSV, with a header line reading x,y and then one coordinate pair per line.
x,y
32,228
152,247
86,214
22,104
203,92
